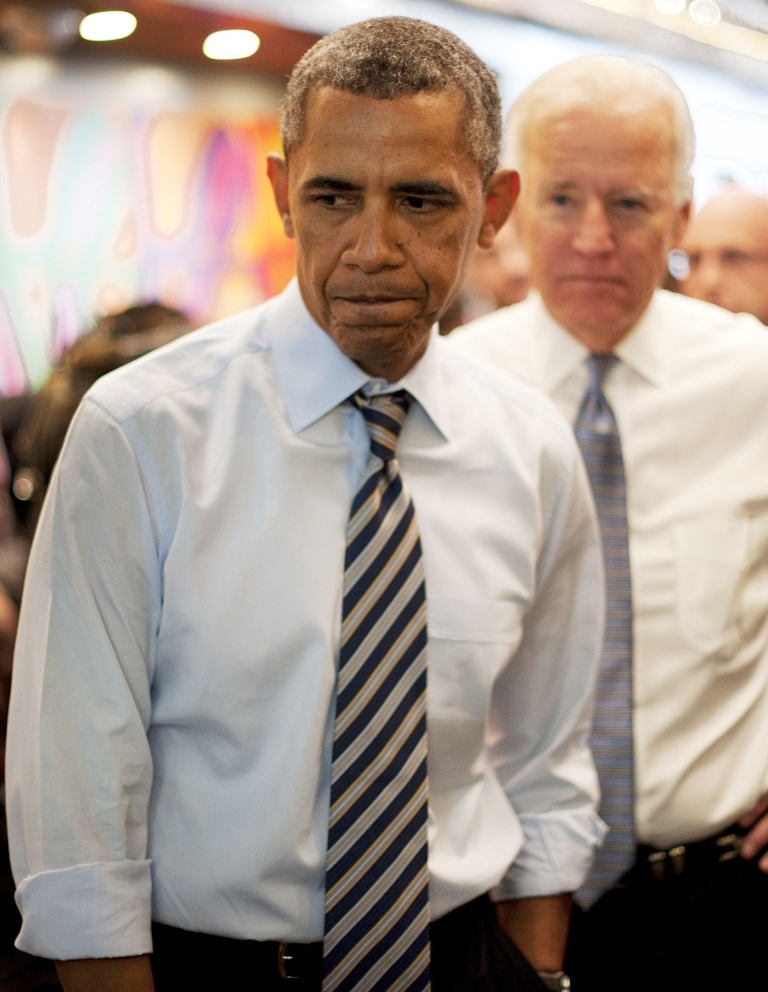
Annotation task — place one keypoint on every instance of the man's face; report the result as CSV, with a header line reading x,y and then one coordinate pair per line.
x,y
386,205
598,216
727,244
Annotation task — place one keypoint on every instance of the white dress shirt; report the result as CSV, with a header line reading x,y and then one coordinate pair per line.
x,y
690,395
172,713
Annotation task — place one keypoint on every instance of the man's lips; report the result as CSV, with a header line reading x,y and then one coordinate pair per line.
x,y
374,309
591,278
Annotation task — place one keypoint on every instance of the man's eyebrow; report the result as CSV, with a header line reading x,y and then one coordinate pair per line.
x,y
425,187
560,185
336,184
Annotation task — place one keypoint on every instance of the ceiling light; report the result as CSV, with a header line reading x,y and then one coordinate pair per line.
x,y
231,44
107,25
728,37
705,12
670,6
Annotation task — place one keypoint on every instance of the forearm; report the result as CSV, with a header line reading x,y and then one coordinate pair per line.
x,y
539,927
107,975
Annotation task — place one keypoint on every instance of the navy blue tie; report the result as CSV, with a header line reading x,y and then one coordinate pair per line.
x,y
612,743
376,883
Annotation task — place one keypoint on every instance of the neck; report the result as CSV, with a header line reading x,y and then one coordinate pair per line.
x,y
600,339
598,343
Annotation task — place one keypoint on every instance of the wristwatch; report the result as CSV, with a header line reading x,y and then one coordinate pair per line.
x,y
556,981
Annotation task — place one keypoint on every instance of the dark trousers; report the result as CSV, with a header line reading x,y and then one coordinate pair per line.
x,y
469,952
704,930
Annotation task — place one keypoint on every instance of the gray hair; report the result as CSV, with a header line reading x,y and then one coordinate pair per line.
x,y
390,57
612,79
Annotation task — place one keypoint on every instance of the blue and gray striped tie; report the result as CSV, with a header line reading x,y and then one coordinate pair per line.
x,y
611,741
376,885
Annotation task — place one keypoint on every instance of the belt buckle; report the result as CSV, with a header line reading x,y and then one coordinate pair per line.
x,y
734,842
284,961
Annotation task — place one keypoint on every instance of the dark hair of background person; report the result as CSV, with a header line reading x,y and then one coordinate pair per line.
x,y
391,57
114,341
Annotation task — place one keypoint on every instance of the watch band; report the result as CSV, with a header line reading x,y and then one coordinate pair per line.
x,y
555,981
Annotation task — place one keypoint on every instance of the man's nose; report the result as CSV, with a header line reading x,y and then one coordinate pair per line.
x,y
594,234
377,241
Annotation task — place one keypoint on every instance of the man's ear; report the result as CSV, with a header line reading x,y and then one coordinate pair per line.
x,y
277,170
501,191
681,222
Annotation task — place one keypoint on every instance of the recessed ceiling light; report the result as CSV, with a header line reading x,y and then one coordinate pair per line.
x,y
107,25
705,12
670,6
237,44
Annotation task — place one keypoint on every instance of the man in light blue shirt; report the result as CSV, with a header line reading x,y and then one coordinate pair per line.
x,y
172,726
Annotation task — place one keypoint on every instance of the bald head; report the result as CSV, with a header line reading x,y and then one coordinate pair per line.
x,y
612,86
727,244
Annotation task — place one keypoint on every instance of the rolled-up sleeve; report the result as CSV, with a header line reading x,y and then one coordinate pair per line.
x,y
79,769
542,704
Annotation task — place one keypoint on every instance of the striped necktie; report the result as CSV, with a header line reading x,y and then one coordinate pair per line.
x,y
376,883
612,745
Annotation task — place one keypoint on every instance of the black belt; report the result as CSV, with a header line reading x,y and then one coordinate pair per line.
x,y
274,961
658,865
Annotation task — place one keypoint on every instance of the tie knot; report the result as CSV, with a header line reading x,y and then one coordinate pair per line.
x,y
384,415
599,367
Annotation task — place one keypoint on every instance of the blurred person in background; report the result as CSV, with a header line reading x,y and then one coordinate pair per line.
x,y
727,247
667,398
497,277
114,341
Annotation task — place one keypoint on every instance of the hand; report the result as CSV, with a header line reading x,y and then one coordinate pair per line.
x,y
539,927
756,822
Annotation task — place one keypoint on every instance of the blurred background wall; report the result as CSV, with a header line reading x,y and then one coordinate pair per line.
x,y
134,170
125,183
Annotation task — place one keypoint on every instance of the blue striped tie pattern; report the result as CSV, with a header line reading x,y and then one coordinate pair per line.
x,y
376,884
612,743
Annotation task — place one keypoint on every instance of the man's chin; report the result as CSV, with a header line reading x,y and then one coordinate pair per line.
x,y
379,345
598,319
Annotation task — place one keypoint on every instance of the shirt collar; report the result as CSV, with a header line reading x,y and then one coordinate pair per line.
x,y
644,349
561,353
315,376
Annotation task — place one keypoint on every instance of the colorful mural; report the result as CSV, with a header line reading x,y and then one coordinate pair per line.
x,y
103,205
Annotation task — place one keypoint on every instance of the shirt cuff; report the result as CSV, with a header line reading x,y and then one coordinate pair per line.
x,y
556,855
100,910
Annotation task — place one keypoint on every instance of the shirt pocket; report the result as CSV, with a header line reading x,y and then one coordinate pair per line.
x,y
711,559
470,641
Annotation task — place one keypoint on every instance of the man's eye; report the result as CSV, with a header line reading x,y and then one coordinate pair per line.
x,y
561,199
331,199
627,203
419,203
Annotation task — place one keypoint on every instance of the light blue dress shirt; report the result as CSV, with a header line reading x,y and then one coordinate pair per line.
x,y
170,730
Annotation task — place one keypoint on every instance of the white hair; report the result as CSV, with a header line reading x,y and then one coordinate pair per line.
x,y
606,79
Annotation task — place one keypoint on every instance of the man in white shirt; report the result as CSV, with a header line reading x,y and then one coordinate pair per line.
x,y
675,389
209,632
